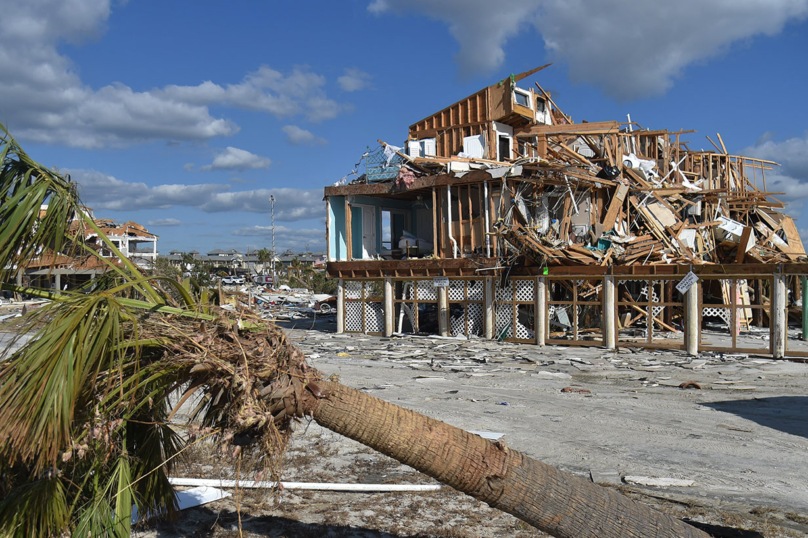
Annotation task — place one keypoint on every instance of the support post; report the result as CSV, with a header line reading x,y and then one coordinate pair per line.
x,y
348,230
58,285
692,336
804,286
609,336
443,311
340,306
779,316
389,307
541,311
489,316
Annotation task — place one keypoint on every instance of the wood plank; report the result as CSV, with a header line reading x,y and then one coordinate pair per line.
x,y
745,235
471,220
793,236
614,207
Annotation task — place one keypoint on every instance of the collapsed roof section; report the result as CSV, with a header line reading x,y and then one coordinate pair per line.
x,y
504,177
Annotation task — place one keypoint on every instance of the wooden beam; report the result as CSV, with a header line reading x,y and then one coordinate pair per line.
x,y
614,207
522,76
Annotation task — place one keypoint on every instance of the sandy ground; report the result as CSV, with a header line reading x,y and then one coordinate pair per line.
x,y
741,439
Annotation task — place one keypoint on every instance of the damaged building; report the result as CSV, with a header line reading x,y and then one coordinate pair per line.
x,y
501,217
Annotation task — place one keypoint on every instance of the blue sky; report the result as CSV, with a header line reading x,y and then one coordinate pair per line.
x,y
186,116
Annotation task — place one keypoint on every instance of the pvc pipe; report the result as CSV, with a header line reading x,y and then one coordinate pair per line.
x,y
609,324
449,203
779,316
487,228
315,486
692,322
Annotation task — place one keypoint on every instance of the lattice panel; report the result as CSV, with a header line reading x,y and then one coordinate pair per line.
x,y
476,290
353,289
457,290
524,290
427,291
723,313
476,317
523,331
374,317
504,320
371,289
409,290
504,294
353,316
458,324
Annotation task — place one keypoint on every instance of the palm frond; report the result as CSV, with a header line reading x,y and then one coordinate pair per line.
x,y
51,379
36,509
24,186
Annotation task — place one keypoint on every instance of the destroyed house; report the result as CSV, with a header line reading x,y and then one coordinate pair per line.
x,y
501,217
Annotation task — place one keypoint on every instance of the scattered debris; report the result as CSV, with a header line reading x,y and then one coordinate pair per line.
x,y
576,390
658,482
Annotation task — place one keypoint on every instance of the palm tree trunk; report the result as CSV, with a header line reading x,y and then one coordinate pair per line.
x,y
551,500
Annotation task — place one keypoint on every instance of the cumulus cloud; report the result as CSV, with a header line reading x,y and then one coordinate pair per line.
x,y
236,160
481,27
630,49
791,177
164,222
301,137
354,79
266,90
43,99
103,191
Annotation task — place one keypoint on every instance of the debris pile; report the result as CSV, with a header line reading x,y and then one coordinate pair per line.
x,y
627,196
283,303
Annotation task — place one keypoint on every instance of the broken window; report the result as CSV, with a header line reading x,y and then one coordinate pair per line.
x,y
521,98
527,146
394,224
504,148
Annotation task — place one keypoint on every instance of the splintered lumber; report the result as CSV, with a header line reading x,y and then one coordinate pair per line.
x,y
742,244
614,208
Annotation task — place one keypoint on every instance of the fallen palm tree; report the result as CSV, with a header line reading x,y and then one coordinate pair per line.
x,y
85,429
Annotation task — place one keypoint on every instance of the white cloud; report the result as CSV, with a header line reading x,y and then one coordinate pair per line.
x,y
792,154
237,160
481,27
164,222
266,90
301,137
791,177
43,99
102,191
631,49
354,79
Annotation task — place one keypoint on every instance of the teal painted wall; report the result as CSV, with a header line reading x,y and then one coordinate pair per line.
x,y
337,246
337,241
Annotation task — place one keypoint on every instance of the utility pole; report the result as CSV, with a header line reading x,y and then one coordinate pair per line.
x,y
272,263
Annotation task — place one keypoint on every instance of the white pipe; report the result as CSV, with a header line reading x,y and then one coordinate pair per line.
x,y
487,229
449,203
316,486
